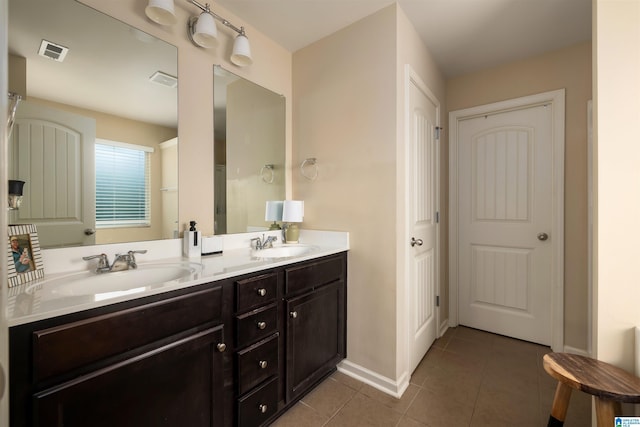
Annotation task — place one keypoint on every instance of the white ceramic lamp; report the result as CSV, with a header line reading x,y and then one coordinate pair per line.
x,y
292,213
241,55
205,32
161,12
273,212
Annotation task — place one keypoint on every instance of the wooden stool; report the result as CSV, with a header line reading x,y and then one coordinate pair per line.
x,y
610,386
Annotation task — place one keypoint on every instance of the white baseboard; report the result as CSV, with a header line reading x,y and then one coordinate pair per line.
x,y
443,328
578,351
384,384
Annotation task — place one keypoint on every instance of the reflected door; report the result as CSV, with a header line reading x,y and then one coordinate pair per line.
x,y
53,152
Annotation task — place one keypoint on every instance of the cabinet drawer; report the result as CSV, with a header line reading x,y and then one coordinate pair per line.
x,y
258,406
257,363
256,324
256,291
313,275
62,348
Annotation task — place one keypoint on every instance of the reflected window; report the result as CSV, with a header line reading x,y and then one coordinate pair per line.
x,y
122,184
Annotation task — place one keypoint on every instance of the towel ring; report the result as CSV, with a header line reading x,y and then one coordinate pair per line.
x,y
311,161
270,177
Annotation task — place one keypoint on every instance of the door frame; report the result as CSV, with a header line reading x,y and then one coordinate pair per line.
x,y
404,303
556,100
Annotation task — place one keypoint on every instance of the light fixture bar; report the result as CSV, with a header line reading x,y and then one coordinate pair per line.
x,y
206,8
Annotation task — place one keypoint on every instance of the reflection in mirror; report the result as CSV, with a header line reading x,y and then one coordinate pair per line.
x,y
249,130
97,93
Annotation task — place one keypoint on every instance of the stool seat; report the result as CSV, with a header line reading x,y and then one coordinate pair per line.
x,y
609,384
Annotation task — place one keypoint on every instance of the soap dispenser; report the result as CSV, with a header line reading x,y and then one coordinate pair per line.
x,y
192,242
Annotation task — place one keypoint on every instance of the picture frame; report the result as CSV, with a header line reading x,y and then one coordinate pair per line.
x,y
24,259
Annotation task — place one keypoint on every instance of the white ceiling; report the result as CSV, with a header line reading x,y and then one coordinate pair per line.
x,y
462,35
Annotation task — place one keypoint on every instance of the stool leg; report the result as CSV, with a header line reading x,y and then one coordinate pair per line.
x,y
560,405
606,410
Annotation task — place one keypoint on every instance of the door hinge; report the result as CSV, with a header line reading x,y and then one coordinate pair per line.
x,y
437,217
438,129
437,300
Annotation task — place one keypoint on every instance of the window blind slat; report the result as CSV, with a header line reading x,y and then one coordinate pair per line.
x,y
122,185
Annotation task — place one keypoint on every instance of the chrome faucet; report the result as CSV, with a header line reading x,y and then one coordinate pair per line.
x,y
264,243
120,263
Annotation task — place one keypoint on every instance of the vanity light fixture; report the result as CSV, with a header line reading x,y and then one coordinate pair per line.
x,y
161,12
203,32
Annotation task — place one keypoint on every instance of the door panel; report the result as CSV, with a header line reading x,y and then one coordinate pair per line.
x,y
505,201
423,182
53,152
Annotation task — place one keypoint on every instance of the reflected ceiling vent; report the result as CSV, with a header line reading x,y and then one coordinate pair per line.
x,y
52,51
164,79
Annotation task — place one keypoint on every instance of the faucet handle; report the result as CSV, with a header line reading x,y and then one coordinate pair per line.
x,y
103,260
132,257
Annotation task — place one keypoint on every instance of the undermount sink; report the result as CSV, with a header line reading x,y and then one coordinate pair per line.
x,y
109,285
284,251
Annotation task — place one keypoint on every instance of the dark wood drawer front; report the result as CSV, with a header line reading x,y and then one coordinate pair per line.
x,y
257,363
62,348
258,406
256,324
256,291
316,274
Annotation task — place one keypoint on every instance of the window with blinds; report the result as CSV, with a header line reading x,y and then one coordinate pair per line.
x,y
122,184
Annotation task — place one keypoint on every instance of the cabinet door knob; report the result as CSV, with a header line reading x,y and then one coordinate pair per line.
x,y
262,325
263,408
221,347
262,292
262,364
293,314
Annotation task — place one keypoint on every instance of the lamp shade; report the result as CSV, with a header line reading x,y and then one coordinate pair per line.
x,y
161,12
292,211
16,186
205,32
273,210
241,55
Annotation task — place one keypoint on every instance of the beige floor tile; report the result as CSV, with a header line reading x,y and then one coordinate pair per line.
x,y
470,334
300,415
363,411
410,422
506,408
347,380
328,397
399,405
437,409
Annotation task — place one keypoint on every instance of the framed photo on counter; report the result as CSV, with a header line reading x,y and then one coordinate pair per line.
x,y
24,260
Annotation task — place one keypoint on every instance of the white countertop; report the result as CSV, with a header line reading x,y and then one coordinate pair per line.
x,y
40,299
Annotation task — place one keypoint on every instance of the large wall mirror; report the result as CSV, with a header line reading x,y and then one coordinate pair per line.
x,y
249,132
100,114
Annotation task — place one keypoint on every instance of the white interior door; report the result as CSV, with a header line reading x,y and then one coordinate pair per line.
x,y
423,226
53,152
505,220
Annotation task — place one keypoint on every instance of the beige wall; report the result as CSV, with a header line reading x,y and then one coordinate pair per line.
x,y
271,69
345,116
616,136
568,68
349,114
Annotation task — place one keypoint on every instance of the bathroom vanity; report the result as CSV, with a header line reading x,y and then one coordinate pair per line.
x,y
238,350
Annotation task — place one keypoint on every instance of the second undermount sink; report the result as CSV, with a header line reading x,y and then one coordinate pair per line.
x,y
284,251
108,285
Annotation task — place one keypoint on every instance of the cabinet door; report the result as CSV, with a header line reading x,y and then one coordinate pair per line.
x,y
179,384
315,336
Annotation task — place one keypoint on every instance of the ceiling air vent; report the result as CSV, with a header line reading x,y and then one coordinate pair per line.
x,y
52,51
164,79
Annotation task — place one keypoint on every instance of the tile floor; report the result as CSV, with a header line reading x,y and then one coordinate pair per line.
x,y
468,378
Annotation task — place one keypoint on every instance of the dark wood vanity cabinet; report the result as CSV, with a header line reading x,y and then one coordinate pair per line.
x,y
236,352
156,361
315,313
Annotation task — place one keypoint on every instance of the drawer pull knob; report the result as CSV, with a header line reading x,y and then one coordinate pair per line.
x,y
262,364
262,325
221,347
262,292
293,314
263,408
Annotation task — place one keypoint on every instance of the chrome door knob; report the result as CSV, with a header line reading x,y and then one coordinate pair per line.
x,y
416,242
262,292
89,231
293,314
263,408
221,347
262,364
262,325
543,236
